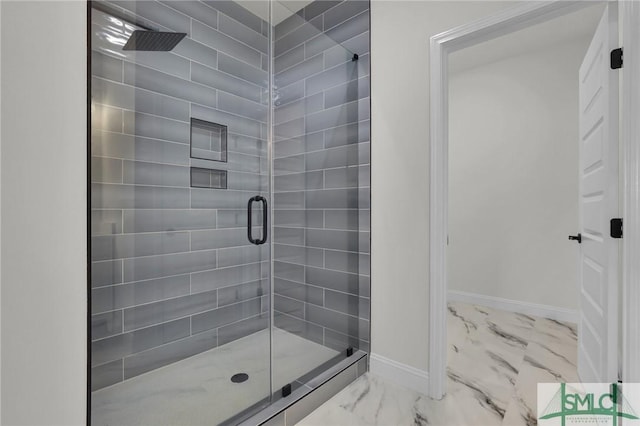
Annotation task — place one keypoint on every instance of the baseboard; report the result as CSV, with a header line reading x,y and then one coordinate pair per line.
x,y
535,309
401,374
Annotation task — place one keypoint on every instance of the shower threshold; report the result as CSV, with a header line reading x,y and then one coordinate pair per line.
x,y
305,399
199,391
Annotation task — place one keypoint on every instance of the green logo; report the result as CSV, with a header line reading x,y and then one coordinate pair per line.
x,y
567,403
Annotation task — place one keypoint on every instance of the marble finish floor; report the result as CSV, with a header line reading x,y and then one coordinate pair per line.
x,y
198,390
495,360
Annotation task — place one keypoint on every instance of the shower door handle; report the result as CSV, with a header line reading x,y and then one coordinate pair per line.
x,y
249,217
264,220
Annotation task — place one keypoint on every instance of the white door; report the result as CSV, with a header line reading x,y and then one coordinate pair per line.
x,y
598,331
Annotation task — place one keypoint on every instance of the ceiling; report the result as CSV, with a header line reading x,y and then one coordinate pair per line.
x,y
577,26
282,9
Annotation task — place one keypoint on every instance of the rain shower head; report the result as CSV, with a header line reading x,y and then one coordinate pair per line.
x,y
155,41
148,39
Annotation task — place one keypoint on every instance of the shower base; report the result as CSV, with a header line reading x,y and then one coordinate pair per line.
x,y
198,390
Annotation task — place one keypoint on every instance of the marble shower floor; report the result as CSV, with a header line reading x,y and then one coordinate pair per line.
x,y
495,360
198,390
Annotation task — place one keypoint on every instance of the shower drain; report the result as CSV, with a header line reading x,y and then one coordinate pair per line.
x,y
239,378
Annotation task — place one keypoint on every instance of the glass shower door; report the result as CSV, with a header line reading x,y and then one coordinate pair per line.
x,y
180,257
320,188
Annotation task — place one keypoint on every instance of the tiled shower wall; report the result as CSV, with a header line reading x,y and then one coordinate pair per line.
x,y
172,271
322,174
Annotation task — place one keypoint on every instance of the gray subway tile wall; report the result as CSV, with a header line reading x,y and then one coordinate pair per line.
x,y
111,298
322,174
121,146
173,273
231,332
160,356
157,13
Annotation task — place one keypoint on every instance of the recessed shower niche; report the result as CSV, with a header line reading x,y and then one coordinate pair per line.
x,y
208,178
208,140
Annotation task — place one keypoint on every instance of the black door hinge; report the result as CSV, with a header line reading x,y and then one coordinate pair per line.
x,y
616,58
616,227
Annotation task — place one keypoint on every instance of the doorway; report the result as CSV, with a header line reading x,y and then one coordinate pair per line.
x,y
513,294
441,46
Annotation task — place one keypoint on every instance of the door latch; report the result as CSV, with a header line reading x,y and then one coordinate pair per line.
x,y
577,238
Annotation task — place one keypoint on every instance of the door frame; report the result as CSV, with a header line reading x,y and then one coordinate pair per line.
x,y
630,148
502,23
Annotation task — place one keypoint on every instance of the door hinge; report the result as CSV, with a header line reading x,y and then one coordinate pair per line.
x,y
616,58
616,227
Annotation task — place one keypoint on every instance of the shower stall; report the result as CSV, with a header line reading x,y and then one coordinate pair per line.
x,y
229,206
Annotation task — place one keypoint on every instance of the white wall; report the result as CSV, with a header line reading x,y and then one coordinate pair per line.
x,y
400,32
44,290
513,177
